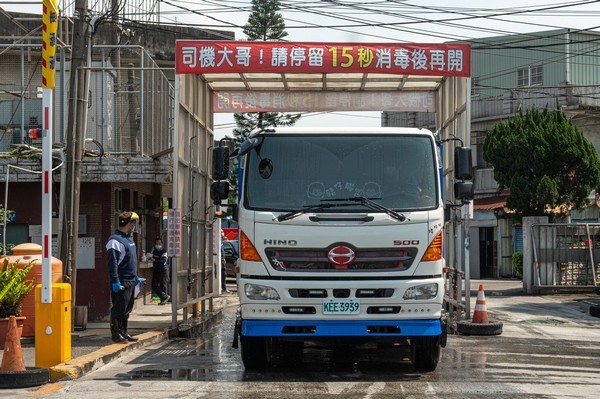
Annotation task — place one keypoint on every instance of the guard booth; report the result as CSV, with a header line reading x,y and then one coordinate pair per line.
x,y
238,76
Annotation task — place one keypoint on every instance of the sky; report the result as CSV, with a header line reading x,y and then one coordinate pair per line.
x,y
404,21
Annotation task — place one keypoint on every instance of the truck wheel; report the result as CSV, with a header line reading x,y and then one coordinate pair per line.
x,y
595,311
293,352
425,353
254,352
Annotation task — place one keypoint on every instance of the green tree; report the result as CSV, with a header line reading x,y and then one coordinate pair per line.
x,y
545,161
265,23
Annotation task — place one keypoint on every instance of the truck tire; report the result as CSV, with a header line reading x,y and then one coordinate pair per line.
x,y
291,352
425,353
468,328
254,352
595,311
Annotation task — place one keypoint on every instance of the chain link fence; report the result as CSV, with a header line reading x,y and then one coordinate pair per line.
x,y
129,112
20,94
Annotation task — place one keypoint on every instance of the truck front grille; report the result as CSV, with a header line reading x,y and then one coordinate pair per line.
x,y
305,259
341,293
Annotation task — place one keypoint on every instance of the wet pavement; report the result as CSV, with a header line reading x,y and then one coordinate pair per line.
x,y
550,347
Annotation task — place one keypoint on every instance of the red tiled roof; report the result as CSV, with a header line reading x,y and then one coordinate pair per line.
x,y
489,203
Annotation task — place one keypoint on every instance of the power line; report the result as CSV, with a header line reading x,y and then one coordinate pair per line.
x,y
311,8
506,43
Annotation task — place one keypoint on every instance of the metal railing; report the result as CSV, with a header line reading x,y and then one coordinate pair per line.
x,y
140,11
130,109
566,256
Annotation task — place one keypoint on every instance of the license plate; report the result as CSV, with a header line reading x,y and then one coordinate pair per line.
x,y
341,306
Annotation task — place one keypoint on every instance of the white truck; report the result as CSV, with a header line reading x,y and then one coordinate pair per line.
x,y
340,236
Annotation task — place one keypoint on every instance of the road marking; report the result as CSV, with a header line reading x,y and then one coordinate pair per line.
x,y
374,388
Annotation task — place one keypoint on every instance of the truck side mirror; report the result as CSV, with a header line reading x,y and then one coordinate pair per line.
x,y
464,190
220,164
234,212
219,191
463,164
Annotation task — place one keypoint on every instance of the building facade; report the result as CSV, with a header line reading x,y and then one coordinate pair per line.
x,y
128,148
512,73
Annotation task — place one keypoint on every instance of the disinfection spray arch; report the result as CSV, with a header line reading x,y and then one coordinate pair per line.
x,y
240,76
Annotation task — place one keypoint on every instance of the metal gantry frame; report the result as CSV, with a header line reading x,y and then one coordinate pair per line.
x,y
193,117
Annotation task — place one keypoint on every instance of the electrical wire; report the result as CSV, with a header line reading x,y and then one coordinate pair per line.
x,y
301,7
360,14
485,44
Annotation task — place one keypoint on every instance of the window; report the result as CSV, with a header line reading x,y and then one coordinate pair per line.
x,y
530,76
537,75
118,199
311,170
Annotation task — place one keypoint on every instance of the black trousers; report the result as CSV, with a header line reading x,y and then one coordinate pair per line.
x,y
122,301
160,278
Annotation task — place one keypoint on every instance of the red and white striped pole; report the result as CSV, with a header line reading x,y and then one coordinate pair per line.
x,y
49,27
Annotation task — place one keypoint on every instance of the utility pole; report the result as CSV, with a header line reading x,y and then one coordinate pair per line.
x,y
74,140
116,63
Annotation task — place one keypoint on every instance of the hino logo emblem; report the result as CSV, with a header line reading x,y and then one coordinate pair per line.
x,y
291,243
341,255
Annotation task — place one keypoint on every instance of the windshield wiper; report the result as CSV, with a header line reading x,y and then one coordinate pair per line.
x,y
307,208
369,203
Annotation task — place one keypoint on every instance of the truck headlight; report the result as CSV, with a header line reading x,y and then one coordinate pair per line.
x,y
423,291
260,292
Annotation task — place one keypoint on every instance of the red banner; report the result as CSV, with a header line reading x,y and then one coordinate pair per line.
x,y
200,56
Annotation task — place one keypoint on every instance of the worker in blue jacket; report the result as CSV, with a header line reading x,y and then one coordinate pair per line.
x,y
122,272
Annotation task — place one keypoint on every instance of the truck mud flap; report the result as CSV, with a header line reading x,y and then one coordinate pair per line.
x,y
444,336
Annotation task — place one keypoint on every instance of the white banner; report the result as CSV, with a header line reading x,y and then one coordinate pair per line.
x,y
318,101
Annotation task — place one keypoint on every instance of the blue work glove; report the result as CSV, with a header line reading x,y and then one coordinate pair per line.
x,y
139,281
116,287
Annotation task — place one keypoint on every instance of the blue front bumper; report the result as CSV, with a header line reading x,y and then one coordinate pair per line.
x,y
349,328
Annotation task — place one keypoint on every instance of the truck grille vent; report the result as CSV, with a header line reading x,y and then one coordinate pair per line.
x,y
375,293
383,329
299,309
341,293
307,293
299,330
383,309
306,259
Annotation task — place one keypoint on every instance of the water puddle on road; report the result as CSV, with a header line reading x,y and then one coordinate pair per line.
x,y
183,374
543,321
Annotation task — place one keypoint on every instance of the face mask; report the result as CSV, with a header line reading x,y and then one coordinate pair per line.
x,y
158,247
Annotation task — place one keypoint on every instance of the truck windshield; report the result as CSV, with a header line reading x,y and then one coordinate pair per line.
x,y
289,172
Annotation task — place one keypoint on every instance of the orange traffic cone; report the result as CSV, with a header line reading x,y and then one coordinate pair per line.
x,y
12,360
480,315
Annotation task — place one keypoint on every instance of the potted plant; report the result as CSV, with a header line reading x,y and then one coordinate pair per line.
x,y
14,286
